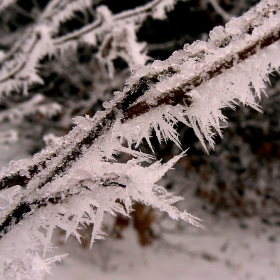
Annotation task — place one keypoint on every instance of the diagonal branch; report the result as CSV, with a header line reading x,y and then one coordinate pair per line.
x,y
135,100
131,95
177,94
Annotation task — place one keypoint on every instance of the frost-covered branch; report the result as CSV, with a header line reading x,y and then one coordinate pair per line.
x,y
22,64
77,34
76,180
219,10
15,61
151,87
97,23
35,105
227,60
5,3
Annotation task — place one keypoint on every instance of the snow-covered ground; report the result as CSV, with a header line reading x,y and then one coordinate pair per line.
x,y
227,249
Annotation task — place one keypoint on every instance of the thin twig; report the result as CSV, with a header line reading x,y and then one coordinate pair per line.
x,y
79,33
16,47
36,5
23,63
137,11
23,12
220,11
54,8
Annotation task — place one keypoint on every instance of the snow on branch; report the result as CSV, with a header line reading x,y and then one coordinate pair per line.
x,y
19,71
5,3
57,159
35,105
76,180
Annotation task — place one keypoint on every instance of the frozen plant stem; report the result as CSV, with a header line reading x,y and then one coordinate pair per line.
x,y
175,95
55,161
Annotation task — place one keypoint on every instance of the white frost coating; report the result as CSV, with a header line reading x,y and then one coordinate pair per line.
x,y
122,42
9,136
5,3
37,104
86,197
161,120
229,89
159,11
88,192
24,69
27,264
58,12
201,54
20,71
204,113
93,184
